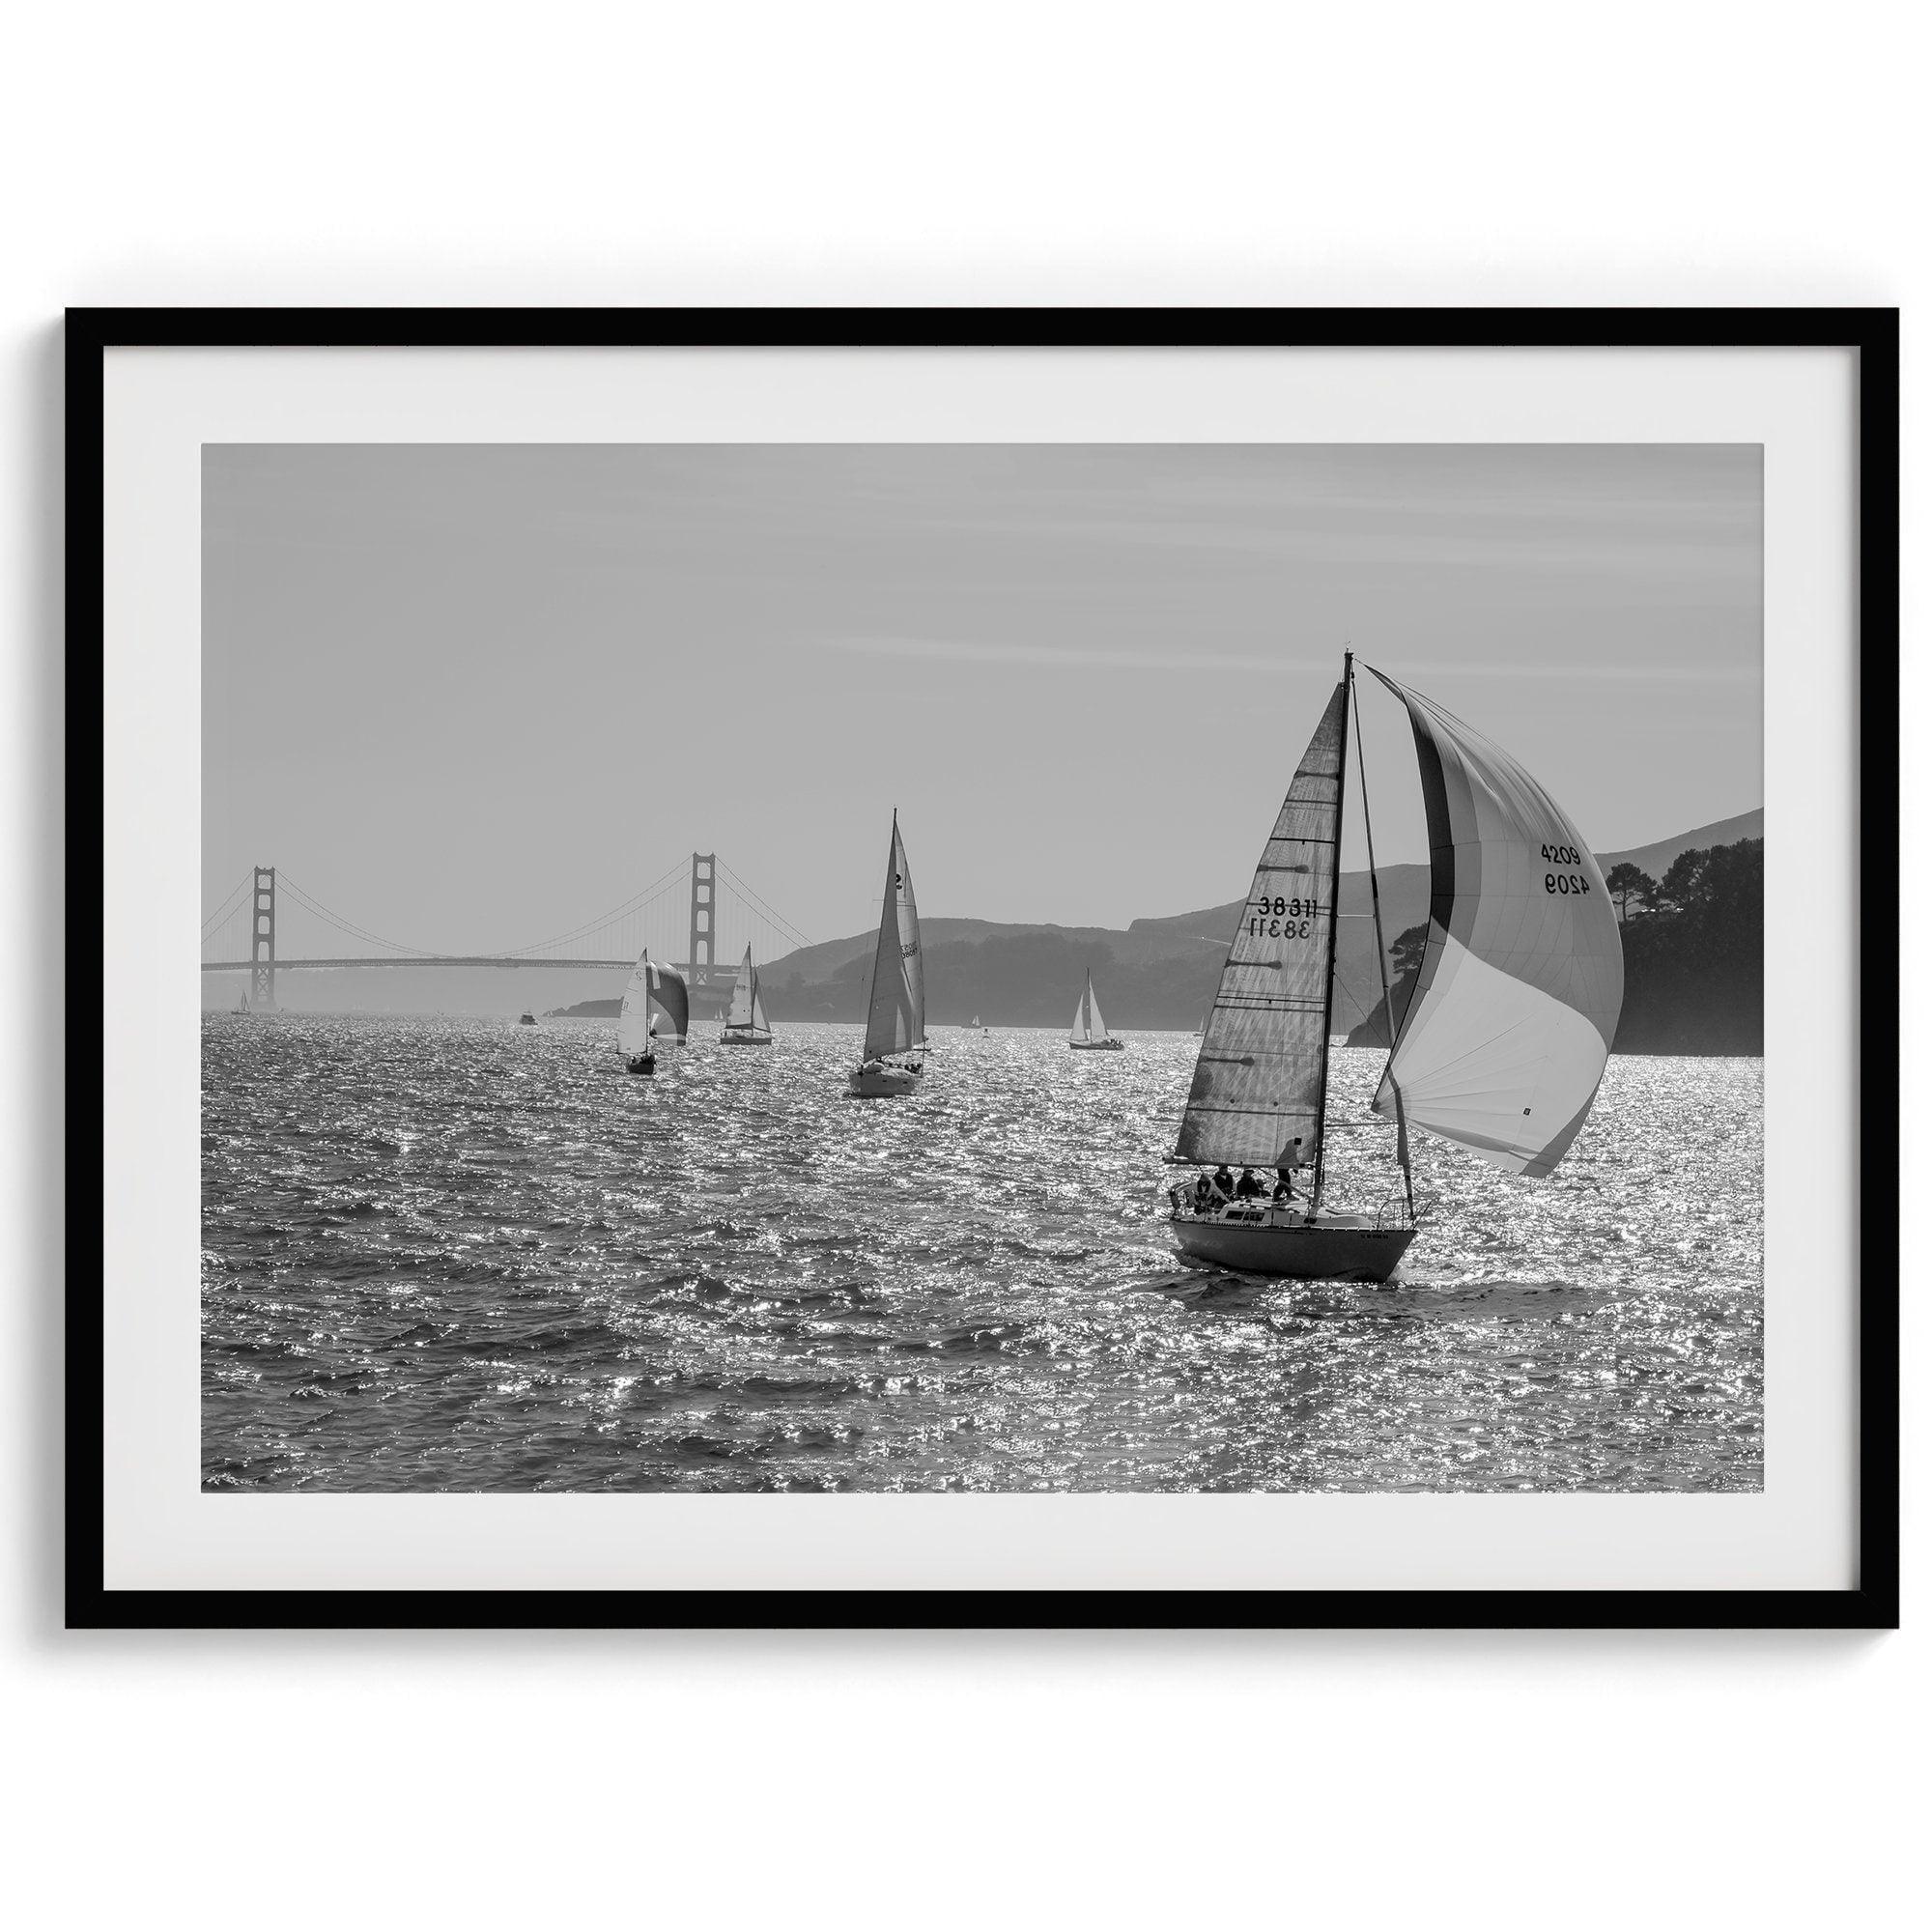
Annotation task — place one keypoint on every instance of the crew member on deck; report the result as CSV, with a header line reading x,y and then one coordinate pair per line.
x,y
1283,1186
1203,1193
1224,1183
1247,1187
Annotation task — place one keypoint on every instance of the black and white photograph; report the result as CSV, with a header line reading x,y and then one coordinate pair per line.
x,y
1012,968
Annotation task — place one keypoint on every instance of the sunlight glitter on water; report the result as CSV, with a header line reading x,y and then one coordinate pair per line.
x,y
460,1255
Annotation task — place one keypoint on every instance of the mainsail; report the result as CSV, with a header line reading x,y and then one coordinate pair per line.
x,y
1087,1021
1257,1083
744,994
649,982
747,1013
896,1010
1505,1038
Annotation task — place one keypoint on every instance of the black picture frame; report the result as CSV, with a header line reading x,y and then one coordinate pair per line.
x,y
1871,333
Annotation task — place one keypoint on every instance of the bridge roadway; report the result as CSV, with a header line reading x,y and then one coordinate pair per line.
x,y
432,959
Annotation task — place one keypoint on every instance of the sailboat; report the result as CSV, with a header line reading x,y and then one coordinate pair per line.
x,y
637,1040
1090,1033
896,998
1503,1043
745,1023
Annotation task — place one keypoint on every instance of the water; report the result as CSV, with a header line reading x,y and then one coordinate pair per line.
x,y
460,1255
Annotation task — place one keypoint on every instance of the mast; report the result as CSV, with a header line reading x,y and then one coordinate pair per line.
x,y
1382,961
1334,928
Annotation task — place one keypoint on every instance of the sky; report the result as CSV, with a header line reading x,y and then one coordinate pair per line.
x,y
472,695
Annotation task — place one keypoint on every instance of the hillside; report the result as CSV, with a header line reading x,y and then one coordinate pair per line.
x,y
1656,859
1693,958
1158,973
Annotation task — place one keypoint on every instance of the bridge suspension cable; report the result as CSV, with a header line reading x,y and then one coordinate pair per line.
x,y
228,907
784,926
636,904
348,925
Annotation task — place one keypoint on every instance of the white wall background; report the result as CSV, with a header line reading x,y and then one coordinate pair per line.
x,y
1682,153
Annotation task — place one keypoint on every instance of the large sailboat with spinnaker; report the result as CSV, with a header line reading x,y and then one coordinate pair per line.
x,y
652,992
893,1057
1505,1035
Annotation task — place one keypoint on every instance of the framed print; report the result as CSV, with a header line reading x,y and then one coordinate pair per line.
x,y
999,967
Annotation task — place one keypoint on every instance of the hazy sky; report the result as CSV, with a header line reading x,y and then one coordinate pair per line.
x,y
474,696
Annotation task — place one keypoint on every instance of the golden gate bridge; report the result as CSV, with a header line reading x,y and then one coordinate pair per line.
x,y
268,924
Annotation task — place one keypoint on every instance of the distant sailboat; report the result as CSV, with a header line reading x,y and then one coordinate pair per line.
x,y
637,1036
745,1024
528,1019
1502,1045
896,998
1090,1033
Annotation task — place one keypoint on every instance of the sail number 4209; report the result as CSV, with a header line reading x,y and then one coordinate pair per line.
x,y
1563,882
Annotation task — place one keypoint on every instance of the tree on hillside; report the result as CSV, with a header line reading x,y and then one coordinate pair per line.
x,y
1682,881
1406,958
1629,883
1693,974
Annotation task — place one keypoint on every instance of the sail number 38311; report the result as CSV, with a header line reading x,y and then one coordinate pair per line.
x,y
1282,918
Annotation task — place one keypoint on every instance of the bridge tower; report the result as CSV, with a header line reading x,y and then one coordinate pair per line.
x,y
703,901
262,957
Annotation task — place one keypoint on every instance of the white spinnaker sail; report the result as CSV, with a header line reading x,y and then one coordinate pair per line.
x,y
673,998
1505,1038
743,988
895,1007
1257,1096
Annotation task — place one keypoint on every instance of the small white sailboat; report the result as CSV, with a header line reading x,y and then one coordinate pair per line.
x,y
1090,1033
638,1035
896,998
1502,1046
745,1024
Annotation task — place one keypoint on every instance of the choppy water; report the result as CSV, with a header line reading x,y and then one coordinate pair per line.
x,y
460,1255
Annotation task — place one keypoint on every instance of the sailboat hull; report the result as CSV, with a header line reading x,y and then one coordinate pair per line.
x,y
743,1036
642,1063
1098,1045
1321,1251
886,1083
